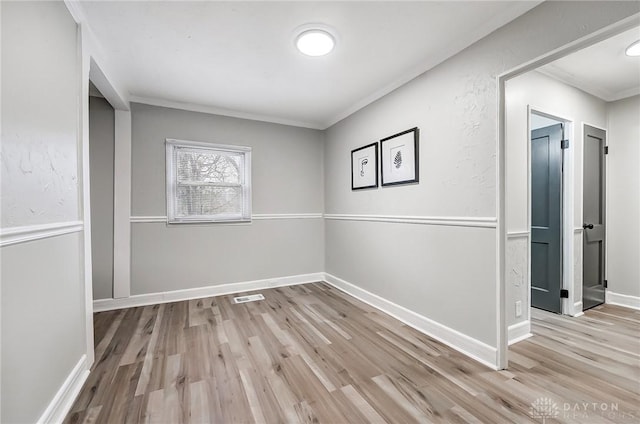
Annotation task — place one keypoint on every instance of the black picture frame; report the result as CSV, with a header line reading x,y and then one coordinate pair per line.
x,y
413,170
371,169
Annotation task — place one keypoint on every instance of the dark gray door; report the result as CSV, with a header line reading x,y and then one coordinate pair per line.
x,y
593,210
546,218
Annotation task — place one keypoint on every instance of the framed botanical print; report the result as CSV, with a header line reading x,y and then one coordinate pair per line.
x,y
400,158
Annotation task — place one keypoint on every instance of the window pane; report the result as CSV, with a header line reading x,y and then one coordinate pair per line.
x,y
208,200
208,166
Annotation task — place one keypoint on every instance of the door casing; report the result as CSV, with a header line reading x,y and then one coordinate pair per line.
x,y
501,237
604,206
567,206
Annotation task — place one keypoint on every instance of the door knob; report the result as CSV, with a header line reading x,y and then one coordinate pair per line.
x,y
587,226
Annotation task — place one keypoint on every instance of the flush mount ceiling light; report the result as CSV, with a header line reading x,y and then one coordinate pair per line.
x,y
633,49
314,40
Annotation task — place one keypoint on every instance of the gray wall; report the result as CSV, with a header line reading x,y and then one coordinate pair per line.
x,y
101,144
623,197
43,332
287,177
39,167
455,106
42,311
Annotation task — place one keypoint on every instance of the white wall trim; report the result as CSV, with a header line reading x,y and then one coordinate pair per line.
x,y
103,76
565,77
212,110
287,216
467,345
519,332
256,217
14,235
200,292
577,309
598,127
450,221
518,234
139,219
625,300
67,393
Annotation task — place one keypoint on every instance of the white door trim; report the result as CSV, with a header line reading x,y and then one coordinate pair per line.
x,y
94,63
85,60
567,205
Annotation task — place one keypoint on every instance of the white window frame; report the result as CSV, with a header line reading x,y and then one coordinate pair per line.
x,y
172,185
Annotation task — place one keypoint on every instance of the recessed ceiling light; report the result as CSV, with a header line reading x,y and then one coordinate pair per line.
x,y
633,49
315,42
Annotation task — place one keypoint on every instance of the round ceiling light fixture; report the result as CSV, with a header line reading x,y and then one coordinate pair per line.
x,y
633,49
315,40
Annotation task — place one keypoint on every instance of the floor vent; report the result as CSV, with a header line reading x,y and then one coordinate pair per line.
x,y
250,298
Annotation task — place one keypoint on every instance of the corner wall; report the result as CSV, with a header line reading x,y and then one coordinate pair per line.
x,y
286,236
43,308
445,267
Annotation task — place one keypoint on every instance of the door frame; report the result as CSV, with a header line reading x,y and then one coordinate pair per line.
x,y
606,190
501,235
567,207
94,65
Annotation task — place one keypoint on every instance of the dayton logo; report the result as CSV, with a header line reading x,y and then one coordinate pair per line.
x,y
544,408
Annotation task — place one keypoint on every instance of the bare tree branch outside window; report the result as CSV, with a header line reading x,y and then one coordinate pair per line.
x,y
208,182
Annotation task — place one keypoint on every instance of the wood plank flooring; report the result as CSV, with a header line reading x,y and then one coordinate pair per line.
x,y
311,353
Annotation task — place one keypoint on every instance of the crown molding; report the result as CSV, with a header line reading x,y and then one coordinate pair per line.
x,y
213,110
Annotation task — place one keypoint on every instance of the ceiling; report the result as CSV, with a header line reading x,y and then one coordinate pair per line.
x,y
603,69
238,58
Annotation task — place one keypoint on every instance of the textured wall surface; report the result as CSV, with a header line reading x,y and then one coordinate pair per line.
x,y
455,106
39,116
43,309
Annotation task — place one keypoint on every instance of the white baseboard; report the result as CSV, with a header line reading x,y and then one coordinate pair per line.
x,y
623,300
469,346
519,332
200,292
66,395
577,309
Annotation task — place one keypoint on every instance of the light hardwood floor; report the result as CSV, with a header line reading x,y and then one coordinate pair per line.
x,y
311,353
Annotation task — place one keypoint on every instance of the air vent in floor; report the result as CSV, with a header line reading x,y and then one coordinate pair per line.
x,y
250,298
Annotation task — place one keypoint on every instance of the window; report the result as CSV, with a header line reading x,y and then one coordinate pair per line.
x,y
208,182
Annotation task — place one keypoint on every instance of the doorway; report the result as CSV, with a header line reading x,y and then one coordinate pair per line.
x,y
594,212
546,142
552,85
